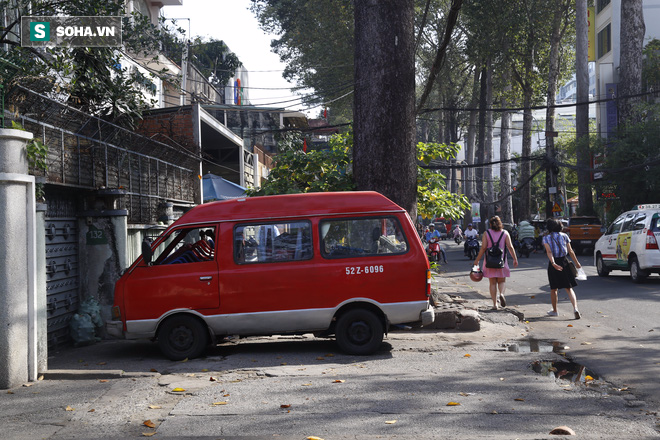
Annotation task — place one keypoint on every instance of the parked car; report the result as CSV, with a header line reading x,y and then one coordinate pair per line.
x,y
344,264
584,232
631,244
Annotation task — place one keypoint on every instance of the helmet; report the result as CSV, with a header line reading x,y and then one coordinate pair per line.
x,y
469,224
476,275
431,225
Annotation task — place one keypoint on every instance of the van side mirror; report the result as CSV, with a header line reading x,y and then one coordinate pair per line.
x,y
603,229
146,251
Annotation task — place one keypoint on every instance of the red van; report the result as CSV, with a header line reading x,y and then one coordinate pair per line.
x,y
345,264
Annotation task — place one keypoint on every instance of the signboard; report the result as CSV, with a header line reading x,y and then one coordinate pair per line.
x,y
591,33
96,236
556,207
476,216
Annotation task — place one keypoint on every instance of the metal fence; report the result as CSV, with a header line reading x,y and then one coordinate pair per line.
x,y
87,152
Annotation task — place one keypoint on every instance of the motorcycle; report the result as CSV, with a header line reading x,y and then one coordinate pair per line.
x,y
458,239
434,250
472,245
526,246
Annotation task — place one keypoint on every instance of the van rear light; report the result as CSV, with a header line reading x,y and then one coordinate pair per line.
x,y
116,313
429,276
651,242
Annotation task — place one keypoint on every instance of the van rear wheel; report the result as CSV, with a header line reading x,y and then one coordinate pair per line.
x,y
359,332
636,274
182,337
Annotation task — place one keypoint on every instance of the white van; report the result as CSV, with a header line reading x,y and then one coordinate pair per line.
x,y
631,243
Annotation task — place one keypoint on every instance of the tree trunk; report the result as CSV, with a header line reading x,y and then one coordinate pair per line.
x,y
384,157
525,186
480,153
471,135
488,171
630,66
553,63
582,111
505,154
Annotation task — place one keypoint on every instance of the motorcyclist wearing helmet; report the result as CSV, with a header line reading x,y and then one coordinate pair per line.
x,y
470,232
435,236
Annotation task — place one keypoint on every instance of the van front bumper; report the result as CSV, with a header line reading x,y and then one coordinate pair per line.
x,y
115,329
427,316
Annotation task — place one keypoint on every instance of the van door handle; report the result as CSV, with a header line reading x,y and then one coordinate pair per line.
x,y
205,278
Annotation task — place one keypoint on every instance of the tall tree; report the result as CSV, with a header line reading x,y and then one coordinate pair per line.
x,y
561,19
582,110
630,65
315,41
384,108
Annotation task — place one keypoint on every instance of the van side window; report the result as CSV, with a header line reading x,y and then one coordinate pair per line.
x,y
269,242
186,245
628,222
655,223
358,237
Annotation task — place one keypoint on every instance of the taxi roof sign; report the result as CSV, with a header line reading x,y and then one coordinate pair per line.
x,y
647,206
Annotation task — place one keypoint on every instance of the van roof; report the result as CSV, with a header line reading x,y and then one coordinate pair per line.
x,y
290,205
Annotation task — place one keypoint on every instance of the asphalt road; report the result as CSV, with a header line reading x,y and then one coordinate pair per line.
x,y
443,384
619,333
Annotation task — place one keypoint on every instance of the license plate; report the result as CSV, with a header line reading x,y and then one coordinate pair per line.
x,y
585,241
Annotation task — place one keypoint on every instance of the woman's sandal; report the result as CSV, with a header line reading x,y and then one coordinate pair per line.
x,y
502,301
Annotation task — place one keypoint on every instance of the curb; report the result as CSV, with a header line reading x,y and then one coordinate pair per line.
x,y
92,374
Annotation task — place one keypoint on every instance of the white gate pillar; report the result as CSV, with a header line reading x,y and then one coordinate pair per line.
x,y
18,320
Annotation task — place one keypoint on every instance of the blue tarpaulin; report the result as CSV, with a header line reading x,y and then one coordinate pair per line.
x,y
217,188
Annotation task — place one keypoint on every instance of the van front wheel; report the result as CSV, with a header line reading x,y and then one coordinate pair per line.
x,y
182,337
359,332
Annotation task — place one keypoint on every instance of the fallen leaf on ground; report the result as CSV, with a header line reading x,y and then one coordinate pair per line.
x,y
311,437
519,399
465,394
10,392
153,370
102,363
453,404
320,358
569,325
338,381
235,381
285,405
155,407
185,360
467,355
28,384
219,403
494,412
588,378
212,379
586,343
204,370
68,408
103,380
329,355
225,395
91,410
149,424
148,434
178,390
42,376
284,363
307,384
390,422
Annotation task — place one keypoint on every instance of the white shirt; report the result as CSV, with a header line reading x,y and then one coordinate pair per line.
x,y
470,233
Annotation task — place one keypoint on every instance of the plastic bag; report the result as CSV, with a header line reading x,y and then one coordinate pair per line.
x,y
581,276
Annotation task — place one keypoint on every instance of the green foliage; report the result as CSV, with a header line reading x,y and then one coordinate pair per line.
x,y
94,79
633,160
433,198
330,170
37,154
316,44
315,171
211,56
651,66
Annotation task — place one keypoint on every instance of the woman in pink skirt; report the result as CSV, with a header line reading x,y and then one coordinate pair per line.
x,y
497,277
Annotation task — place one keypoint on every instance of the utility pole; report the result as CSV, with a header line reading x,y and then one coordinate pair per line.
x,y
582,23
